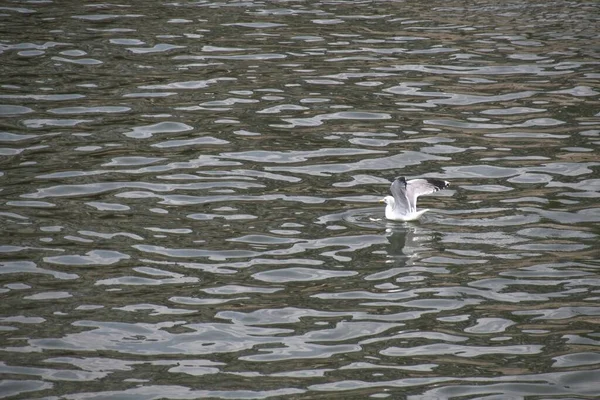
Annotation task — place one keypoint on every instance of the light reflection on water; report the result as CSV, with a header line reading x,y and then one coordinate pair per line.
x,y
189,200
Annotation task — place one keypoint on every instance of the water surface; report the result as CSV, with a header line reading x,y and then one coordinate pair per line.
x,y
188,200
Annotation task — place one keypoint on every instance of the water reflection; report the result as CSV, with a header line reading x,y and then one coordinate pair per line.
x,y
407,241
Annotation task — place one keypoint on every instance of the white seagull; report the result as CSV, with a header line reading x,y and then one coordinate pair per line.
x,y
402,204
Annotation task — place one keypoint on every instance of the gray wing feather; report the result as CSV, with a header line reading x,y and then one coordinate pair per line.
x,y
419,187
399,192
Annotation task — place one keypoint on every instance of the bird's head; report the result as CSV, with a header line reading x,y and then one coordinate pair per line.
x,y
388,200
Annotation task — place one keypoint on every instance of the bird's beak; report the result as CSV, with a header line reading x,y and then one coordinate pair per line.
x,y
381,200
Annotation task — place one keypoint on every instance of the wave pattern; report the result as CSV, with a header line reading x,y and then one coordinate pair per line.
x,y
189,200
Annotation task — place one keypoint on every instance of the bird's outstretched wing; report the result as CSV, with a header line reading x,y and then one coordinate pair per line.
x,y
399,190
418,187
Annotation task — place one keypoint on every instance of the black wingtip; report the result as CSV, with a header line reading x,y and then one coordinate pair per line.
x,y
438,183
401,179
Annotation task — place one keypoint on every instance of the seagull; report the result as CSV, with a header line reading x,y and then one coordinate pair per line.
x,y
402,204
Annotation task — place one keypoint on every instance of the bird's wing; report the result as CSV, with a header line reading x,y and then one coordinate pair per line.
x,y
419,187
399,191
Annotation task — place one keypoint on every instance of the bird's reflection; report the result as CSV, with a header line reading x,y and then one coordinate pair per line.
x,y
407,240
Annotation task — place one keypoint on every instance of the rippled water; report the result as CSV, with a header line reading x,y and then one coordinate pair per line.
x,y
188,200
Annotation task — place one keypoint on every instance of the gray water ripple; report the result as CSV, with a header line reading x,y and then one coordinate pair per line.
x,y
296,156
561,313
198,163
361,295
199,141
89,110
28,267
265,239
31,203
155,309
147,339
253,173
576,360
566,217
44,97
181,200
229,268
128,161
511,220
564,383
213,255
44,122
344,115
395,162
529,123
577,339
14,137
100,17
460,350
10,110
239,57
299,275
11,387
237,289
95,257
558,383
490,325
556,269
79,61
153,392
48,296
145,132
303,351
157,48
455,98
522,69
187,85
287,315
102,187
512,111
129,280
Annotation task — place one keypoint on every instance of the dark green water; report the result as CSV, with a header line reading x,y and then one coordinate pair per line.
x,y
188,200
